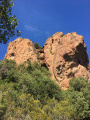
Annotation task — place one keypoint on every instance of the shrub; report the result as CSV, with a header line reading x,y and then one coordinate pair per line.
x,y
78,83
5,67
37,46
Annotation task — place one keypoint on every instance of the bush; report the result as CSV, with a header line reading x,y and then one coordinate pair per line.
x,y
37,46
5,67
40,86
78,83
79,95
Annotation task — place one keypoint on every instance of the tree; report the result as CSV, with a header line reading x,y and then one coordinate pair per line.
x,y
8,23
78,83
7,67
79,95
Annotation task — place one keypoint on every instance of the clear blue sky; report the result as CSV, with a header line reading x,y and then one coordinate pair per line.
x,y
39,19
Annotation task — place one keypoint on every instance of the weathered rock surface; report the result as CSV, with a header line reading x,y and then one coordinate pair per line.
x,y
21,50
64,55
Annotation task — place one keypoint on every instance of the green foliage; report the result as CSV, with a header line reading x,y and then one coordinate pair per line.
x,y
37,46
61,110
78,83
28,93
36,81
8,71
38,55
8,23
22,106
79,96
5,67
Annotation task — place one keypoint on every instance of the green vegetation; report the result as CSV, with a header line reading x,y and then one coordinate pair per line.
x,y
8,22
37,46
28,93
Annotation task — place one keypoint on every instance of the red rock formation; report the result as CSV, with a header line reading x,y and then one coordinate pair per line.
x,y
64,55
21,50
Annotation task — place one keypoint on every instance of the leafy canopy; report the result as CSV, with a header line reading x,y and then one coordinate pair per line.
x,y
28,93
8,22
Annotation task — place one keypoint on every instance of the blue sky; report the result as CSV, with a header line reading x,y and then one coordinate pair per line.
x,y
39,19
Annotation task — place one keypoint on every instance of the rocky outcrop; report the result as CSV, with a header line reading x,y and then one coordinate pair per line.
x,y
21,50
65,56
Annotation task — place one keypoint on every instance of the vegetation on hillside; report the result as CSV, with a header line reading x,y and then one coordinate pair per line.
x,y
28,93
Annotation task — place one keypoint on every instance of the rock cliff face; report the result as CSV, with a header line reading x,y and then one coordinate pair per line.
x,y
21,50
65,56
